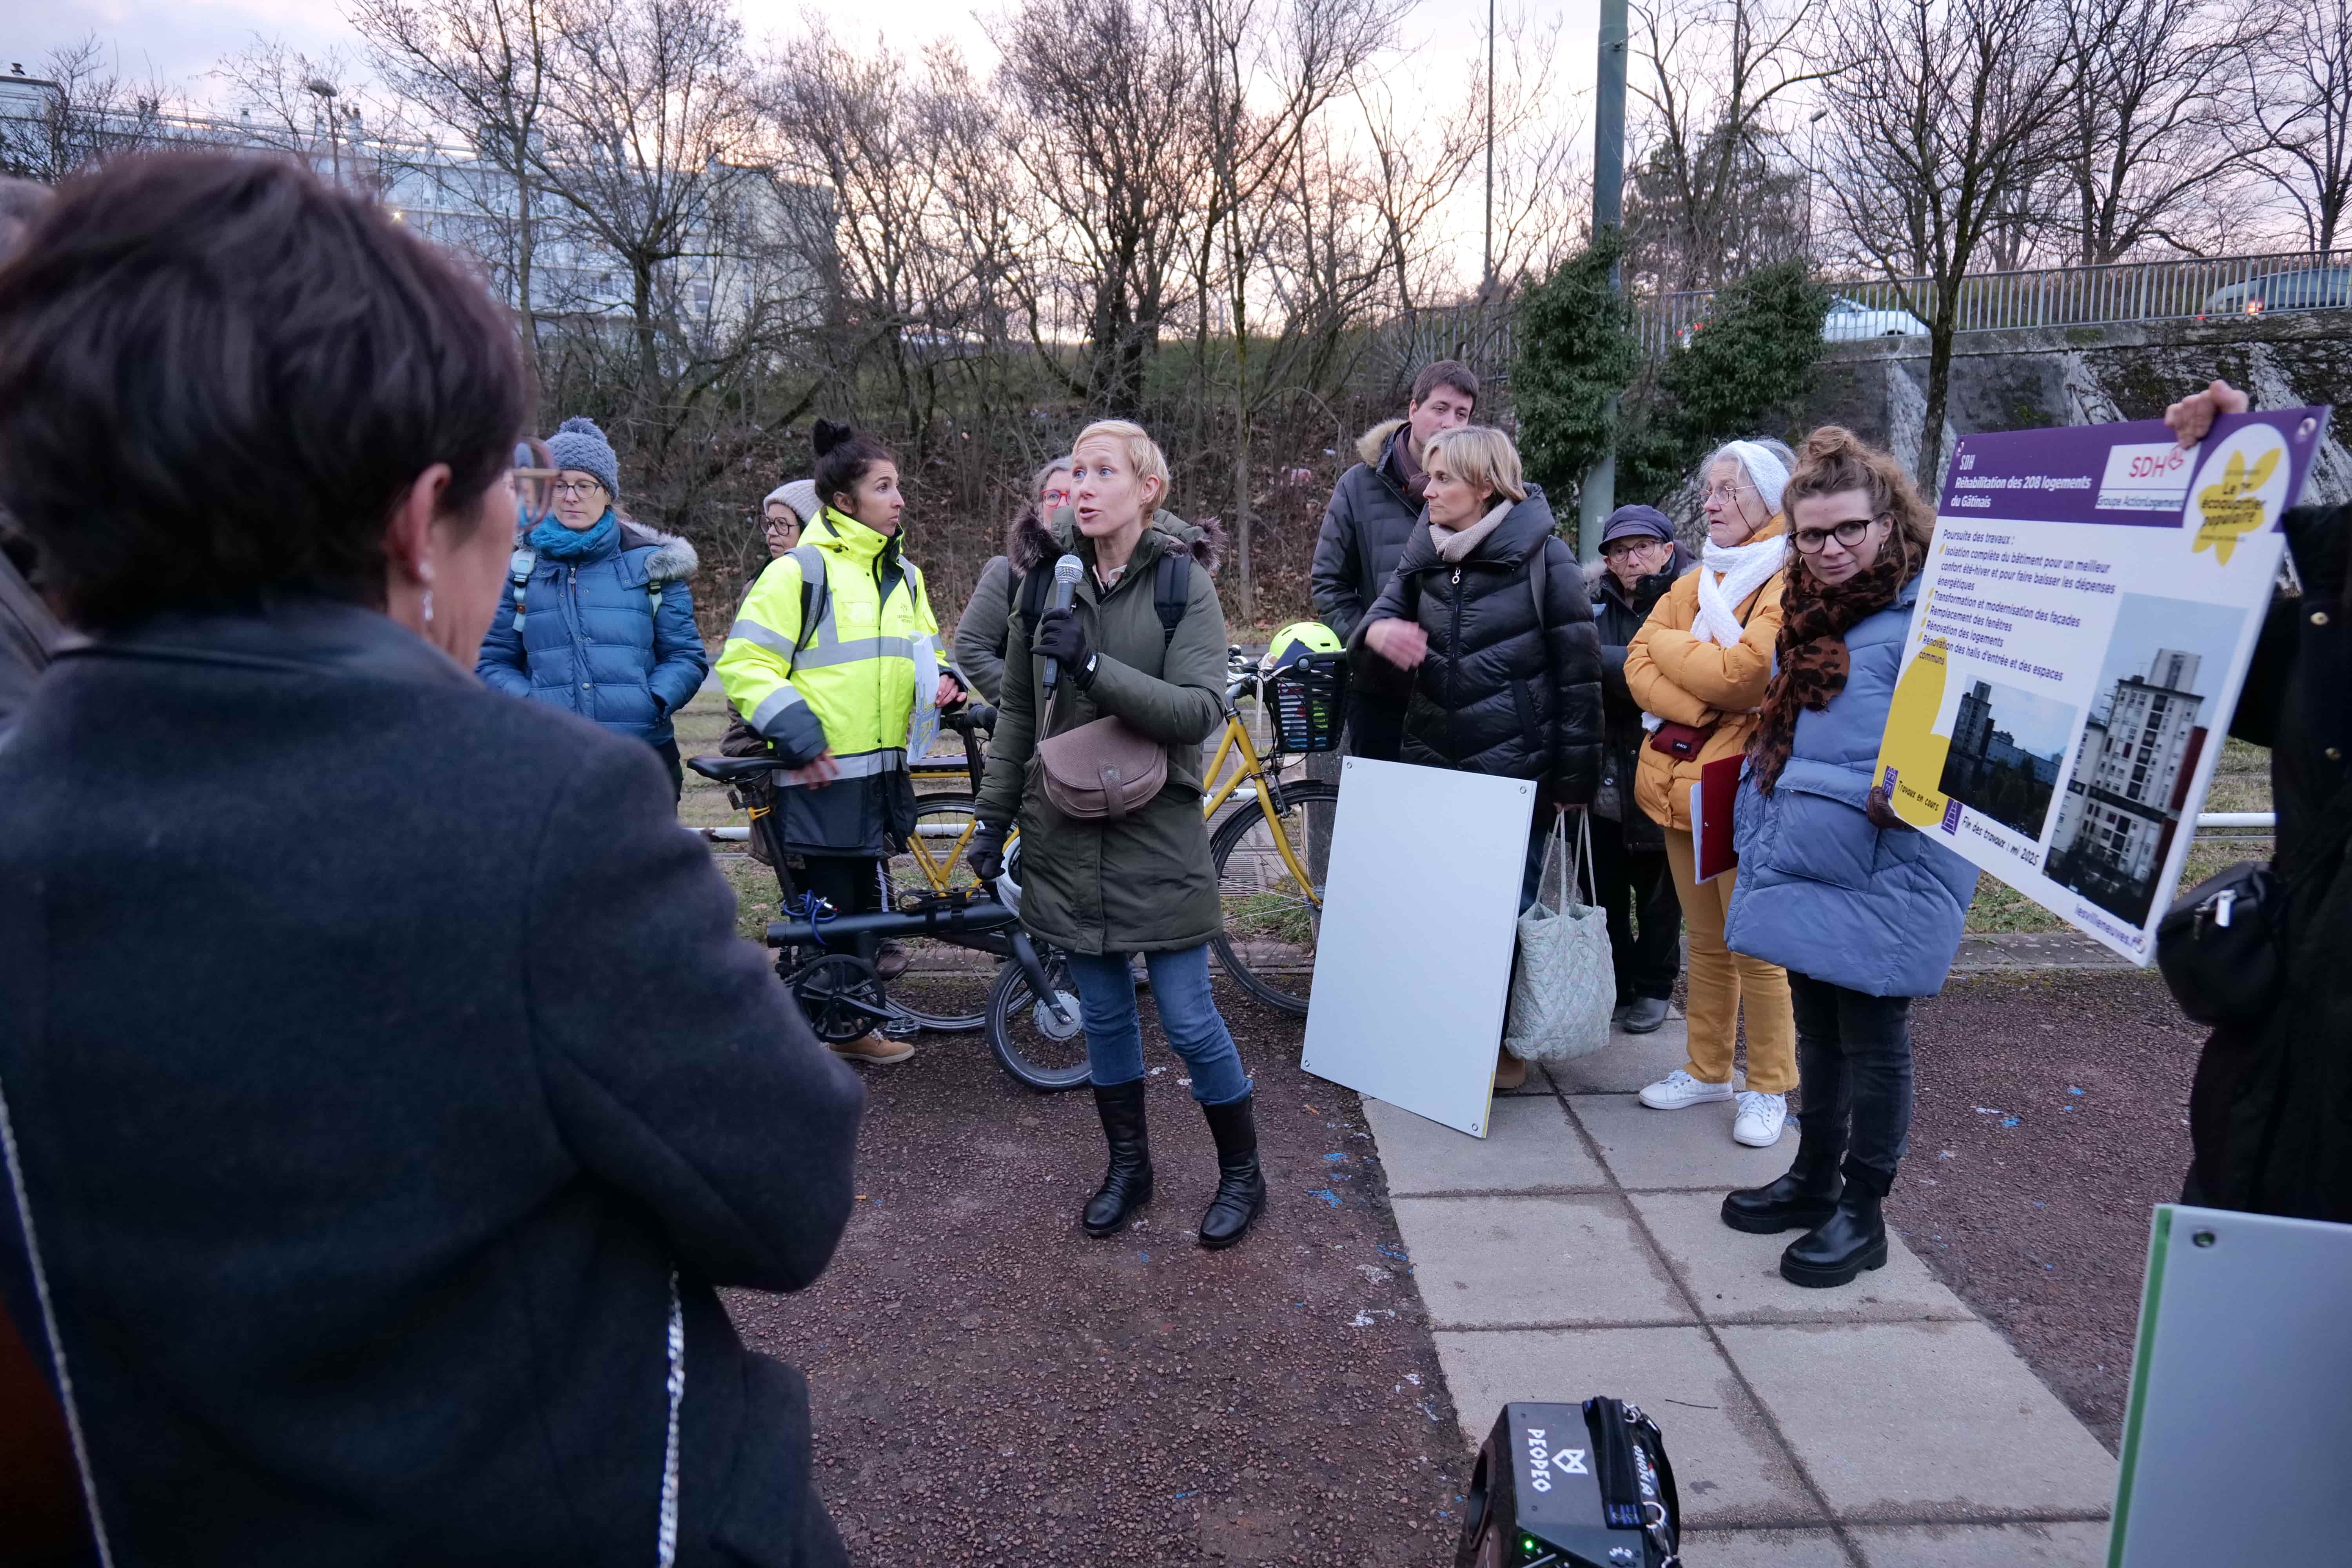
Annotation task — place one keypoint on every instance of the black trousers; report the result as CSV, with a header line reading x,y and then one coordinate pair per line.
x,y
852,884
1854,1057
667,751
1375,726
1646,921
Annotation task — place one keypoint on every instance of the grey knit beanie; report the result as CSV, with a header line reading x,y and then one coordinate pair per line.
x,y
798,494
578,445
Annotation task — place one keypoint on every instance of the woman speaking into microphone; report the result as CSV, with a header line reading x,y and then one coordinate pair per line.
x,y
1114,673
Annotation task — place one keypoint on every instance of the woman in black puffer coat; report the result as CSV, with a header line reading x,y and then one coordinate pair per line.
x,y
1493,688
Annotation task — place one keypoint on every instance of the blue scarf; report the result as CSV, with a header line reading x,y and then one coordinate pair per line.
x,y
557,543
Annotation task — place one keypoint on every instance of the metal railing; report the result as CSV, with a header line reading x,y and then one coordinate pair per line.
x,y
2181,289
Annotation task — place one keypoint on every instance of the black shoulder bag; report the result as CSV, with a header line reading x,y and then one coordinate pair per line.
x,y
2223,944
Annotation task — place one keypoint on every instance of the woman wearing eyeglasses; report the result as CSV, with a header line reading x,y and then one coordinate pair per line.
x,y
1698,667
1865,911
981,629
598,616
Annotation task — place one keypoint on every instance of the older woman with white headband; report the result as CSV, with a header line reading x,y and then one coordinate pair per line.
x,y
1698,666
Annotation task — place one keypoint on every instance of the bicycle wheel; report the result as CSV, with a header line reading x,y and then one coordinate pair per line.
x,y
1271,922
944,987
1045,1051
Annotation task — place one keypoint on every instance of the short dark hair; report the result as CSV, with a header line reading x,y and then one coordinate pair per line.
x,y
843,456
1450,372
219,374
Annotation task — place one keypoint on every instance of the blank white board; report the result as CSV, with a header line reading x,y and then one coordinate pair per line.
x,y
1412,963
2238,1439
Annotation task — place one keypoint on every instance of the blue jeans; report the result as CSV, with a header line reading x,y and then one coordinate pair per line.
x,y
1188,1016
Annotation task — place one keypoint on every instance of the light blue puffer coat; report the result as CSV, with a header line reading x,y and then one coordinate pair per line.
x,y
1821,890
593,641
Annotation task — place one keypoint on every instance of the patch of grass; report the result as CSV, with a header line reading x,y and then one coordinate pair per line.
x,y
1274,916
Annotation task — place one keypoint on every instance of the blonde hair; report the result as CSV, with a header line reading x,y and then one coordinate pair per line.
x,y
1481,457
1142,454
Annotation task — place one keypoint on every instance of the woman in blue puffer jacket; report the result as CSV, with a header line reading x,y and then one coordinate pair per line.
x,y
1863,910
597,617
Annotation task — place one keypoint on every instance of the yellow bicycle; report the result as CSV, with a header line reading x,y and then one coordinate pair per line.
x,y
1269,860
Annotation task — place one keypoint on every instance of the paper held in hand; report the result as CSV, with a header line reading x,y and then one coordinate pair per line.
x,y
2089,607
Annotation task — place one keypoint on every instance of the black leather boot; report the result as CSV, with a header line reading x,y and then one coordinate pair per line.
x,y
1241,1190
1127,1184
1848,1242
1801,1199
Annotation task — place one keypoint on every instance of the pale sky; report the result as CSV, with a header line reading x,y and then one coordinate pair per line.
x,y
182,40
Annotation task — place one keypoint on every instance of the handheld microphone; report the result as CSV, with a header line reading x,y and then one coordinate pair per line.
x,y
1066,572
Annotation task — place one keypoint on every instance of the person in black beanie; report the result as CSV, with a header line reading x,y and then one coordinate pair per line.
x,y
1640,559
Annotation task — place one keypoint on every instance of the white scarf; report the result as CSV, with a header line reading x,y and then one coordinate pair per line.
x,y
1726,575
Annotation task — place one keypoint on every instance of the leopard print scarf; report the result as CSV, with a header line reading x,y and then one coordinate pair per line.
x,y
1811,656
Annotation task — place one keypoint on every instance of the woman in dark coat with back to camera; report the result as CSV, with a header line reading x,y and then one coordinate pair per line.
x,y
1640,560
381,1145
1494,688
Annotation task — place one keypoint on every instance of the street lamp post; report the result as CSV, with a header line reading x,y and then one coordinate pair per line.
x,y
1598,497
324,91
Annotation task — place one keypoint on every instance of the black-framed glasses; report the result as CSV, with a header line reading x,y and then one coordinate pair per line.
x,y
1809,540
1616,547
578,490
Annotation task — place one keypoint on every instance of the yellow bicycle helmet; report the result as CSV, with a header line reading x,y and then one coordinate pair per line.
x,y
1299,638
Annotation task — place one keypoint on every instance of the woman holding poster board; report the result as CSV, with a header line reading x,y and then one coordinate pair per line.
x,y
1863,910
1699,668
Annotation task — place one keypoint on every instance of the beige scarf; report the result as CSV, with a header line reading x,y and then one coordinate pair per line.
x,y
1455,546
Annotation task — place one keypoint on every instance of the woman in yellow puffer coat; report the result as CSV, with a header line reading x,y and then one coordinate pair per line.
x,y
1699,668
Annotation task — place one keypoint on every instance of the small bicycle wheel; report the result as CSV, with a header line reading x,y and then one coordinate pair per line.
x,y
943,987
1271,922
1046,1051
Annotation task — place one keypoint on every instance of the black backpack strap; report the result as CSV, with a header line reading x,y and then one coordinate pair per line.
x,y
1171,589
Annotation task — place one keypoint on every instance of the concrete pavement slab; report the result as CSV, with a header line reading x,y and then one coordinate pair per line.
x,y
1736,1276
1690,1148
1528,1147
1762,1548
1983,1545
1534,1261
1728,1466
1908,1422
1626,1063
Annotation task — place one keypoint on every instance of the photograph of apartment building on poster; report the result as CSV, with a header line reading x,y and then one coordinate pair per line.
x,y
2008,749
2151,718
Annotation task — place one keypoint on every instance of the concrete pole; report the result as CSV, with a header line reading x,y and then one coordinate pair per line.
x,y
1599,496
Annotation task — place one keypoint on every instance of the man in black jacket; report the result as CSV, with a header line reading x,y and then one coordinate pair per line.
x,y
2270,1113
1371,512
1639,561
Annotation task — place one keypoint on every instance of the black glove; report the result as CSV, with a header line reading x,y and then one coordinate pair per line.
x,y
1062,636
985,853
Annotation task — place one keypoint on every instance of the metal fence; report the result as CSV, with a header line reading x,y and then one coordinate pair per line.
x,y
2188,288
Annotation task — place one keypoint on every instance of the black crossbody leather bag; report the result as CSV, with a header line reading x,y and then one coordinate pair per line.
x,y
2223,944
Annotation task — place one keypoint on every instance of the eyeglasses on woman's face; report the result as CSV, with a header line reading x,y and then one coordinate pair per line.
x,y
578,490
1812,541
1618,548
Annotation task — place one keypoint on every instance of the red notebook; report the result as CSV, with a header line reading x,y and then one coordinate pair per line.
x,y
1711,799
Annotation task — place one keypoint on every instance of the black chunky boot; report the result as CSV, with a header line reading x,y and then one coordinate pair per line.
x,y
1127,1184
1801,1199
1848,1242
1241,1190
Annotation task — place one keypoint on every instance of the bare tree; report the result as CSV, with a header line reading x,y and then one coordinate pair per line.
x,y
90,113
1942,118
1714,194
305,106
2299,103
2148,88
476,70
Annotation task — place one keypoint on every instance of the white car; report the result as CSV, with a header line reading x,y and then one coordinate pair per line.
x,y
1849,321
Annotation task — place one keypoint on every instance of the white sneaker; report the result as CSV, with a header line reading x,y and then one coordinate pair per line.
x,y
1760,1119
1678,1089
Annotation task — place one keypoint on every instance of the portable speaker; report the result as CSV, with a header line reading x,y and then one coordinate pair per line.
x,y
1571,1486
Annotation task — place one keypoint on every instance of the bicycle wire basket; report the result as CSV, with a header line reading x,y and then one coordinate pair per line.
x,y
1308,699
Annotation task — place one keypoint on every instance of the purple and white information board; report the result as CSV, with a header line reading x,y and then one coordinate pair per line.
x,y
2087,617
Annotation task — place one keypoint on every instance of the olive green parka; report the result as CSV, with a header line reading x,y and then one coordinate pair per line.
x,y
1146,883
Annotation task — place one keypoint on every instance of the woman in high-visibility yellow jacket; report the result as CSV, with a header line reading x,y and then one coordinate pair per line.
x,y
834,661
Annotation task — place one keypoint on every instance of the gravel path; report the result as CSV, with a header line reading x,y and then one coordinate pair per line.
x,y
2051,1115
990,1386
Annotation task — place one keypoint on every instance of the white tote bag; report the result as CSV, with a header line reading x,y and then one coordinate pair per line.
x,y
1565,987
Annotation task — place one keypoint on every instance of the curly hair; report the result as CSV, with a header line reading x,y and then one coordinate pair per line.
x,y
1833,460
